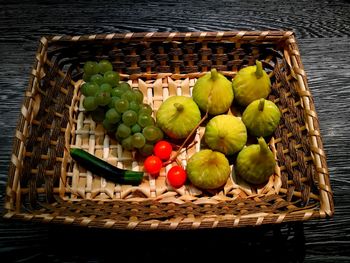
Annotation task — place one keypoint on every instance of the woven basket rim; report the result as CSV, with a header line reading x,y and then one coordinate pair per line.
x,y
171,35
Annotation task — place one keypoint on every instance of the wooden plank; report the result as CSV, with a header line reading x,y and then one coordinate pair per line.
x,y
322,30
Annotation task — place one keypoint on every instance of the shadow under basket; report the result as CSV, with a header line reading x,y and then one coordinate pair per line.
x,y
46,185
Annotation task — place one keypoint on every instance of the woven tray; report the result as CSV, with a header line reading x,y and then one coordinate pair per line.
x,y
45,185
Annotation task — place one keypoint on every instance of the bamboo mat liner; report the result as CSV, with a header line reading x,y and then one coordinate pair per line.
x,y
92,138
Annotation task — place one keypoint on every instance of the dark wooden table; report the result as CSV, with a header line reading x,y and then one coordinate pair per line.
x,y
322,30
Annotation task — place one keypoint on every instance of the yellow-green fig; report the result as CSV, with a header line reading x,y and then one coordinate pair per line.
x,y
213,92
208,169
255,163
251,83
177,116
261,117
226,134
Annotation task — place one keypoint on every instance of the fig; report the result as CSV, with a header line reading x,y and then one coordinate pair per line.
x,y
251,83
213,93
177,116
208,169
226,134
255,163
261,117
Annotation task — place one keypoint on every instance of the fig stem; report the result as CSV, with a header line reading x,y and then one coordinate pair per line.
x,y
214,73
263,146
259,69
179,107
173,158
261,104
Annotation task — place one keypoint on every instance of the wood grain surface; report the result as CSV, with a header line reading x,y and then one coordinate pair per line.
x,y
322,30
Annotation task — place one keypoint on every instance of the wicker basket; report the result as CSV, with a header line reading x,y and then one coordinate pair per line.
x,y
45,185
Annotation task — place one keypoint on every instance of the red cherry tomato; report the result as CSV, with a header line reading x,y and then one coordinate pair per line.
x,y
177,176
163,150
153,164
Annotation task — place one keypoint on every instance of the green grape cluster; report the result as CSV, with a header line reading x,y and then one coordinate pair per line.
x,y
119,108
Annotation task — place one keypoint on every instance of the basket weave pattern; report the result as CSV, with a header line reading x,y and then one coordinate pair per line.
x,y
46,185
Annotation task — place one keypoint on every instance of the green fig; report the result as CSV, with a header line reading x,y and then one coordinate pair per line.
x,y
261,117
213,93
177,116
251,83
255,163
208,169
226,134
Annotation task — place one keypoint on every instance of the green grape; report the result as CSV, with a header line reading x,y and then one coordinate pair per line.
x,y
111,77
103,98
83,89
112,102
90,68
145,108
133,105
91,89
86,77
98,114
127,143
138,95
123,131
121,105
104,66
129,96
124,86
160,134
97,78
138,140
129,117
112,116
106,87
119,139
145,120
110,127
146,150
89,103
136,128
152,133
118,92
